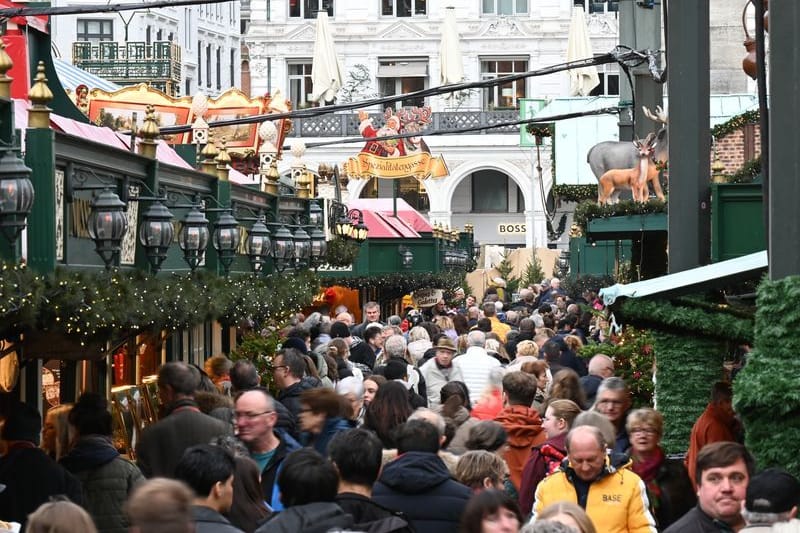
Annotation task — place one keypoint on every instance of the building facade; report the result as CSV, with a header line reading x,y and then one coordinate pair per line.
x,y
198,46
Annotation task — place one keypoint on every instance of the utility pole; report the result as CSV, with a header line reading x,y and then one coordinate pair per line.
x,y
640,29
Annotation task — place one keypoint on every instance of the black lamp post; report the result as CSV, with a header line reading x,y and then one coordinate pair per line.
x,y
16,195
193,237
282,248
258,244
319,247
107,225
156,233
226,239
302,247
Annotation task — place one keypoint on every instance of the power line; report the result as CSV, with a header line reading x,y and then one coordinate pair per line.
x,y
98,8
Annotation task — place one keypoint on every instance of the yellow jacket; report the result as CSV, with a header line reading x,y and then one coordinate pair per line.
x,y
616,501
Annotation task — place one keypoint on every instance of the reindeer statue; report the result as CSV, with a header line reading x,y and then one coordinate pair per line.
x,y
636,179
608,155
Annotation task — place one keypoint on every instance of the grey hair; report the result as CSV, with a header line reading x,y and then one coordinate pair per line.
x,y
752,517
418,333
432,417
596,432
547,526
395,346
476,338
613,383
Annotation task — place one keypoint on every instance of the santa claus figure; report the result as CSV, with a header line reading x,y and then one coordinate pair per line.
x,y
381,148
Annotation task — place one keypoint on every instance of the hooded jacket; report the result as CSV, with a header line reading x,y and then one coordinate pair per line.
x,y
290,396
317,517
616,500
333,425
207,520
543,461
107,480
524,428
419,485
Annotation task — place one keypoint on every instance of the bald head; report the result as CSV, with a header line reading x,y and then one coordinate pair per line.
x,y
601,365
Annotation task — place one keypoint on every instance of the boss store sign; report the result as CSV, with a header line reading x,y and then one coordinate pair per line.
x,y
512,229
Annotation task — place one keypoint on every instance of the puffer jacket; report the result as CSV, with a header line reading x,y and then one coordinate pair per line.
x,y
107,480
616,500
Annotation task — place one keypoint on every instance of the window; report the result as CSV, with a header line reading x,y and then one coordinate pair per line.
x,y
160,35
489,192
208,66
505,7
609,85
503,96
147,34
300,85
308,8
94,31
187,87
219,68
233,67
598,6
402,76
199,64
403,8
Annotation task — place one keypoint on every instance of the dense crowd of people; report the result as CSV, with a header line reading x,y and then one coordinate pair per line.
x,y
454,418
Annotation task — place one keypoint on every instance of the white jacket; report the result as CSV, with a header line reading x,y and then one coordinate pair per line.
x,y
474,367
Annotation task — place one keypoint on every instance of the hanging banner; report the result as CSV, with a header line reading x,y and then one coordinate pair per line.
x,y
396,158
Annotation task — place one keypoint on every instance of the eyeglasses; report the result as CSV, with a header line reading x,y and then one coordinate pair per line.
x,y
611,402
279,366
647,431
250,416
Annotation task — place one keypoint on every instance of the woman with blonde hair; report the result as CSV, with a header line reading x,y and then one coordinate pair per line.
x,y
445,323
570,514
573,342
56,435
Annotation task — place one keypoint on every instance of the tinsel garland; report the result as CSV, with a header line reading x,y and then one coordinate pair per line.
x,y
766,392
735,123
96,305
687,320
575,193
397,284
586,211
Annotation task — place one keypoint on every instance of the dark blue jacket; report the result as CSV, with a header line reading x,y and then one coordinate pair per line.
x,y
320,442
419,485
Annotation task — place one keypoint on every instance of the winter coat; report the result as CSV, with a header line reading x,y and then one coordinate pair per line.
x,y
475,366
361,352
333,425
107,480
671,494
371,516
31,477
290,396
419,485
714,425
269,475
464,423
207,520
317,517
589,384
163,443
524,428
435,379
543,461
616,500
696,521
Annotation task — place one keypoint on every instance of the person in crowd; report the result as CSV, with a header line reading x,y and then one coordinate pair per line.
x,y
445,323
256,416
439,370
316,364
321,418
397,370
669,489
772,497
490,402
498,327
551,292
160,505
527,330
475,365
419,342
723,473
538,369
718,423
491,511
490,436
60,517
373,337
360,352
289,371
357,456
569,514
395,348
249,510
521,422
418,483
29,476
162,444
308,486
566,386
588,479
601,367
56,439
371,386
340,352
551,350
495,348
481,470
244,376
438,421
106,477
372,315
218,369
352,391
390,409
614,401
547,457
547,526
456,407
208,470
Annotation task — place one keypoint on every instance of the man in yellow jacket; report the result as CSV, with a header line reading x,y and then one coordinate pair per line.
x,y
615,499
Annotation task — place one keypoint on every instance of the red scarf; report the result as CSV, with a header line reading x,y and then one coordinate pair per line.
x,y
647,469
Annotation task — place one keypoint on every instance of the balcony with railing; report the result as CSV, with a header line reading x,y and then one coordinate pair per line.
x,y
158,64
346,125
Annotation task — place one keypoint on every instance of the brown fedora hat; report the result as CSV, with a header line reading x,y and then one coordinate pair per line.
x,y
446,343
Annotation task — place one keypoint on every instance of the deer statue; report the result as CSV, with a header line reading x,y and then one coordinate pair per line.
x,y
636,178
608,155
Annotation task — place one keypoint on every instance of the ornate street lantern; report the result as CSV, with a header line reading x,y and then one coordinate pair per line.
x,y
302,247
193,237
315,214
282,248
344,227
406,257
226,238
107,225
258,244
319,247
16,195
360,231
156,233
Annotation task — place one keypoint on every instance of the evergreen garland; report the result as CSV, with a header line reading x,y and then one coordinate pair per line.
x,y
747,173
398,284
575,193
342,252
766,391
588,210
735,123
